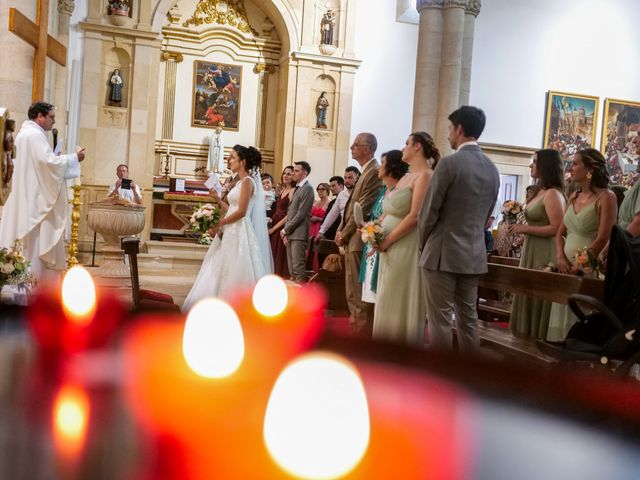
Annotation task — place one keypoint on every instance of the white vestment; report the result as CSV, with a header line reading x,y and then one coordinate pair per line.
x,y
216,153
36,210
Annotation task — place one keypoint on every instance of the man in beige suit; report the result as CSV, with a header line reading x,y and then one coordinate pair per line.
x,y
365,193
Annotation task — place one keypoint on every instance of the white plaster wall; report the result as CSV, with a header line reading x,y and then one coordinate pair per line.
x,y
182,129
522,49
74,71
384,83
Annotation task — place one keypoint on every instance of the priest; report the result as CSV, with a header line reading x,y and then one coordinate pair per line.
x,y
36,211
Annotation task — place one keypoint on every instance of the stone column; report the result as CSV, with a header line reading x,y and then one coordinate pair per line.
x,y
171,60
65,9
453,14
425,100
471,12
263,70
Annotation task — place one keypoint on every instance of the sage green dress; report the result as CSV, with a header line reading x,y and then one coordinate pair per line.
x,y
582,229
530,316
400,311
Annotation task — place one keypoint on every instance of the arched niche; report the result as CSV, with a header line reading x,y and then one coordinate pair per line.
x,y
117,58
326,84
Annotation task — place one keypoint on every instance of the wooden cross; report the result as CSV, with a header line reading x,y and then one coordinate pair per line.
x,y
35,34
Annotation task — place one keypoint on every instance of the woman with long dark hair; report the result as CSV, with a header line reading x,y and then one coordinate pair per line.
x,y
240,257
278,219
591,213
543,212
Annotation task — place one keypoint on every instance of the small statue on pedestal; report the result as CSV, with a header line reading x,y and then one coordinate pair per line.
x,y
321,111
216,151
8,151
115,88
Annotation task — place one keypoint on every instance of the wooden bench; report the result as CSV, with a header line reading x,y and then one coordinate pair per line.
x,y
332,281
554,287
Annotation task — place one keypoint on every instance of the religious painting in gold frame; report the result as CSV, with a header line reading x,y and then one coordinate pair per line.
x,y
620,143
216,95
570,123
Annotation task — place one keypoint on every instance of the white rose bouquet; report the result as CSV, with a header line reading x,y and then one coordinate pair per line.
x,y
203,218
14,268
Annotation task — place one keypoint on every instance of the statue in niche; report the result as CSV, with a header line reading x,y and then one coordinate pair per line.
x,y
327,25
216,151
322,105
119,7
115,88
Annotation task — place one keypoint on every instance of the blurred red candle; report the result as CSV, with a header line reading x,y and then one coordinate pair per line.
x,y
73,318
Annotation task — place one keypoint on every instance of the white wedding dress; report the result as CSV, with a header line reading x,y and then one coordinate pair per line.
x,y
237,260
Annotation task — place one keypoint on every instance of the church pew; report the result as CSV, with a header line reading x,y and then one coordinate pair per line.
x,y
553,287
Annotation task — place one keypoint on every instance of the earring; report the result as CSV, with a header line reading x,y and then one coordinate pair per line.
x,y
589,175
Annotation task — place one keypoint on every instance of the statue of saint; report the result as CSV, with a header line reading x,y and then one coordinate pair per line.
x,y
326,28
216,152
321,111
115,88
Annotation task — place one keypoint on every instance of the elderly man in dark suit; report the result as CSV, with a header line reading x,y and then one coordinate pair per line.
x,y
461,197
295,233
365,192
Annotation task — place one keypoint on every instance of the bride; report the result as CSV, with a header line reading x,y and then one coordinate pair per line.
x,y
240,257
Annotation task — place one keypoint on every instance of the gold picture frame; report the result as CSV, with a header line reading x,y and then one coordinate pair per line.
x,y
570,122
216,95
620,142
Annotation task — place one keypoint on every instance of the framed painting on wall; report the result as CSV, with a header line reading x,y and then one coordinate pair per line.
x,y
216,95
620,142
570,123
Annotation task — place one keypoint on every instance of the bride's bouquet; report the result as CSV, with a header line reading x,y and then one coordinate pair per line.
x,y
372,232
510,210
14,268
586,261
203,218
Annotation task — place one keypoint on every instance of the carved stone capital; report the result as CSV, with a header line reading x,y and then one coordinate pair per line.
x,y
455,4
175,56
65,7
473,7
422,4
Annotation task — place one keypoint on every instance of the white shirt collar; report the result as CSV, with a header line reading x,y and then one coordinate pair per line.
x,y
302,182
465,144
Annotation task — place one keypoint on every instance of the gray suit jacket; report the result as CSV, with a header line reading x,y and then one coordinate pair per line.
x,y
461,196
299,213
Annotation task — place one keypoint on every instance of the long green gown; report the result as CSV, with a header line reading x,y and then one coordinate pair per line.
x,y
530,316
582,229
400,311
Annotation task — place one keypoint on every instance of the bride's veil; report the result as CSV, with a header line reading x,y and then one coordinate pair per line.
x,y
259,222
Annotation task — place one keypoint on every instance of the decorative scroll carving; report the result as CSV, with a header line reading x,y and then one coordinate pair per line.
x,y
175,56
223,12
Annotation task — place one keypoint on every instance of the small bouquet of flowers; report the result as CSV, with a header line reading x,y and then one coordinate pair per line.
x,y
511,209
14,268
371,232
586,261
203,218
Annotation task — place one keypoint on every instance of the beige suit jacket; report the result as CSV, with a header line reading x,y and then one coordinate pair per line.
x,y
365,193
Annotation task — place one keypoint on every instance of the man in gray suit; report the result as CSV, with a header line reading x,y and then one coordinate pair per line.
x,y
460,198
295,233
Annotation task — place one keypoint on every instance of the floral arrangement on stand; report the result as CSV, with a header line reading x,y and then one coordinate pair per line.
x,y
14,268
203,218
511,209
372,232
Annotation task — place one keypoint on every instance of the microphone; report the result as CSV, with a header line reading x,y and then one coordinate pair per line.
x,y
54,131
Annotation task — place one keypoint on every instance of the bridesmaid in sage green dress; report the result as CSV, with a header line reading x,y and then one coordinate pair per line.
x,y
530,316
590,215
400,311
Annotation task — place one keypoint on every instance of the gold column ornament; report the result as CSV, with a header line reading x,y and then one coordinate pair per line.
x,y
75,223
